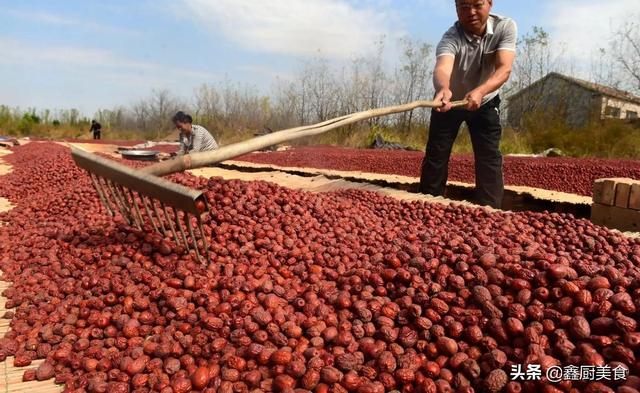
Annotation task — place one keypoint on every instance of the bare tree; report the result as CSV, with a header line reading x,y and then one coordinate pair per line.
x,y
315,92
322,89
413,76
70,116
116,118
285,105
601,70
537,56
207,103
534,59
302,91
142,115
626,51
162,106
45,115
375,92
377,78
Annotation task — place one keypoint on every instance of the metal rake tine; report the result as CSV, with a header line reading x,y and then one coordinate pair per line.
x,y
135,206
155,208
187,219
168,217
112,201
99,190
184,237
144,203
125,203
204,237
117,202
110,195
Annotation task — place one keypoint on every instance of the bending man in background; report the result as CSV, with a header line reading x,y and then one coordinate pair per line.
x,y
474,59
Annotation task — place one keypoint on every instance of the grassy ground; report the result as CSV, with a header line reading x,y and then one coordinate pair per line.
x,y
611,139
608,140
49,131
512,142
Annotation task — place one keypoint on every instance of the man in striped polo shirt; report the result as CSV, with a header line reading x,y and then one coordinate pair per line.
x,y
193,138
473,61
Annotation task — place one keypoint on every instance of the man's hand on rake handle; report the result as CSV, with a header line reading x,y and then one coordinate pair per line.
x,y
474,99
444,96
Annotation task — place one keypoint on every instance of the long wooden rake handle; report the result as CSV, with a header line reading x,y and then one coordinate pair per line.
x,y
200,159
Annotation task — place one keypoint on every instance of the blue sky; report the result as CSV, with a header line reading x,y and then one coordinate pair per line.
x,y
95,54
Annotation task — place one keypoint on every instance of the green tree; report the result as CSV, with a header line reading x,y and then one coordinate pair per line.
x,y
27,123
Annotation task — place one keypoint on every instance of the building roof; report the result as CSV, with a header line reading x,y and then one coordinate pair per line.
x,y
594,87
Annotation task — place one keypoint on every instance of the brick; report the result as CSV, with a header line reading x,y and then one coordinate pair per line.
x,y
604,191
616,217
622,194
634,196
598,188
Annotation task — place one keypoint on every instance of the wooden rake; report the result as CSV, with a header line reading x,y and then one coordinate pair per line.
x,y
146,200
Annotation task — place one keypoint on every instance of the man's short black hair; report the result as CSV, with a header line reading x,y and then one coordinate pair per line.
x,y
182,118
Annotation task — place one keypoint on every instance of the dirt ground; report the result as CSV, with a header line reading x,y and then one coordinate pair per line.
x,y
4,168
93,147
5,205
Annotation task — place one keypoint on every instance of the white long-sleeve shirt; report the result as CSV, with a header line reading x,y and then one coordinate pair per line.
x,y
200,139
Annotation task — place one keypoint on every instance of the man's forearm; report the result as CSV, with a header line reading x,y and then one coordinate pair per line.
x,y
441,80
495,81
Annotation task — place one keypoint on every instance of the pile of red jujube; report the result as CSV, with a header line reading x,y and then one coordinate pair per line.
x,y
572,175
325,292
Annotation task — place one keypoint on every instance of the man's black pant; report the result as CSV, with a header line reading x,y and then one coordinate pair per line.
x,y
96,135
485,130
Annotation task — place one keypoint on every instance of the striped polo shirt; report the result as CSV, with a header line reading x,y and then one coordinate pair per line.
x,y
200,139
475,56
